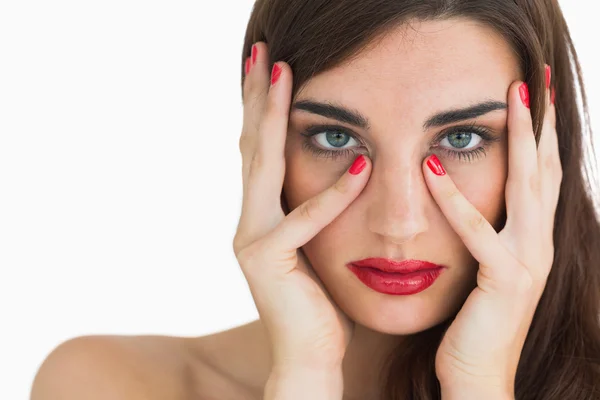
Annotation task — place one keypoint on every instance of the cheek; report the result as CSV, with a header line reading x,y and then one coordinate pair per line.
x,y
305,177
484,188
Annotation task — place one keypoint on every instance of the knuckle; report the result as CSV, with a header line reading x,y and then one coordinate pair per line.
x,y
236,249
248,256
341,186
244,142
549,162
238,244
477,222
310,208
252,91
257,161
524,283
534,183
451,193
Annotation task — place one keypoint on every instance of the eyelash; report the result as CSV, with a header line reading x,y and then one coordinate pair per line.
x,y
465,156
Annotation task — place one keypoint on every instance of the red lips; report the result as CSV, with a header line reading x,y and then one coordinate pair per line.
x,y
396,277
388,265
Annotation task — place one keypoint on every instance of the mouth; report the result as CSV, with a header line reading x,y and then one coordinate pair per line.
x,y
396,277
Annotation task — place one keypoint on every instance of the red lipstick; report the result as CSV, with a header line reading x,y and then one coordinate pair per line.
x,y
396,277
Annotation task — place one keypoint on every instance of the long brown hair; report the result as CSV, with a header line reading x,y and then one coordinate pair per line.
x,y
561,356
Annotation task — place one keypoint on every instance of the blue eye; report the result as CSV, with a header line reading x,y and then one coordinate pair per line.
x,y
337,139
466,137
335,136
330,140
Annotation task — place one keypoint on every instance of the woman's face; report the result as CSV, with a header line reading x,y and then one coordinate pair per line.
x,y
417,72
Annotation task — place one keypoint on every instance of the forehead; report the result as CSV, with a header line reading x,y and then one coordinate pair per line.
x,y
422,67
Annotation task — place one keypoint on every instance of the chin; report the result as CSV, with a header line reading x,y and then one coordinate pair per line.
x,y
393,317
401,315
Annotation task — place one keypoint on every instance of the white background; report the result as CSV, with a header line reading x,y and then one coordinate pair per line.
x,y
120,176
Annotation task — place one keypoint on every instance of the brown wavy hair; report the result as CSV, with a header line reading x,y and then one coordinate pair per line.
x,y
561,356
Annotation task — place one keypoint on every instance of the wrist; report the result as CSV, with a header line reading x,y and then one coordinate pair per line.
x,y
476,391
300,383
477,387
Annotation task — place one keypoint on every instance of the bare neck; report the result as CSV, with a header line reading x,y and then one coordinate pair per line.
x,y
244,354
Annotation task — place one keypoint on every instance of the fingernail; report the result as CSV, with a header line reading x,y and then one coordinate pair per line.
x,y
275,74
358,165
548,76
553,95
524,92
247,65
435,165
254,54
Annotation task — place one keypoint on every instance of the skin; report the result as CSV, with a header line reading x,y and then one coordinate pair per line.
x,y
397,84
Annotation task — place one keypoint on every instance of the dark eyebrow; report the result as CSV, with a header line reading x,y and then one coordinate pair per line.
x,y
333,111
355,118
461,114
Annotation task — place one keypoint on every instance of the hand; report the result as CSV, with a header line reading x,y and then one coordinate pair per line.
x,y
484,342
306,328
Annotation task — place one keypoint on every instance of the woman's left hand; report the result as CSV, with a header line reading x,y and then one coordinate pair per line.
x,y
482,346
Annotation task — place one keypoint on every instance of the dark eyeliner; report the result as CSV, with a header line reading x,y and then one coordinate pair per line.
x,y
486,139
313,130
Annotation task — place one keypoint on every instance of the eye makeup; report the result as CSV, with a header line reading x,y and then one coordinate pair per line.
x,y
462,134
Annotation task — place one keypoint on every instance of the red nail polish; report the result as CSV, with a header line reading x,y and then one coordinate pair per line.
x,y
358,165
247,65
435,165
524,92
553,96
548,76
275,74
254,54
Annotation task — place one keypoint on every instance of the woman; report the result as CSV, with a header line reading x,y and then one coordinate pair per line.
x,y
406,229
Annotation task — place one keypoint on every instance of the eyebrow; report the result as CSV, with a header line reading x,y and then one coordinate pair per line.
x,y
353,117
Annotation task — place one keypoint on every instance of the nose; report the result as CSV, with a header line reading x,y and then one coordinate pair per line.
x,y
397,198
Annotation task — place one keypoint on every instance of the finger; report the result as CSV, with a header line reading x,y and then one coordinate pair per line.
x,y
475,231
549,165
550,171
522,185
308,219
548,124
256,89
262,209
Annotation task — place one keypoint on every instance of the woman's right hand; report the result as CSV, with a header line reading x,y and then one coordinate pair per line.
x,y
305,326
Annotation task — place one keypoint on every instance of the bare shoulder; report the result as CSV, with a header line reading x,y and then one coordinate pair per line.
x,y
115,367
238,359
133,367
